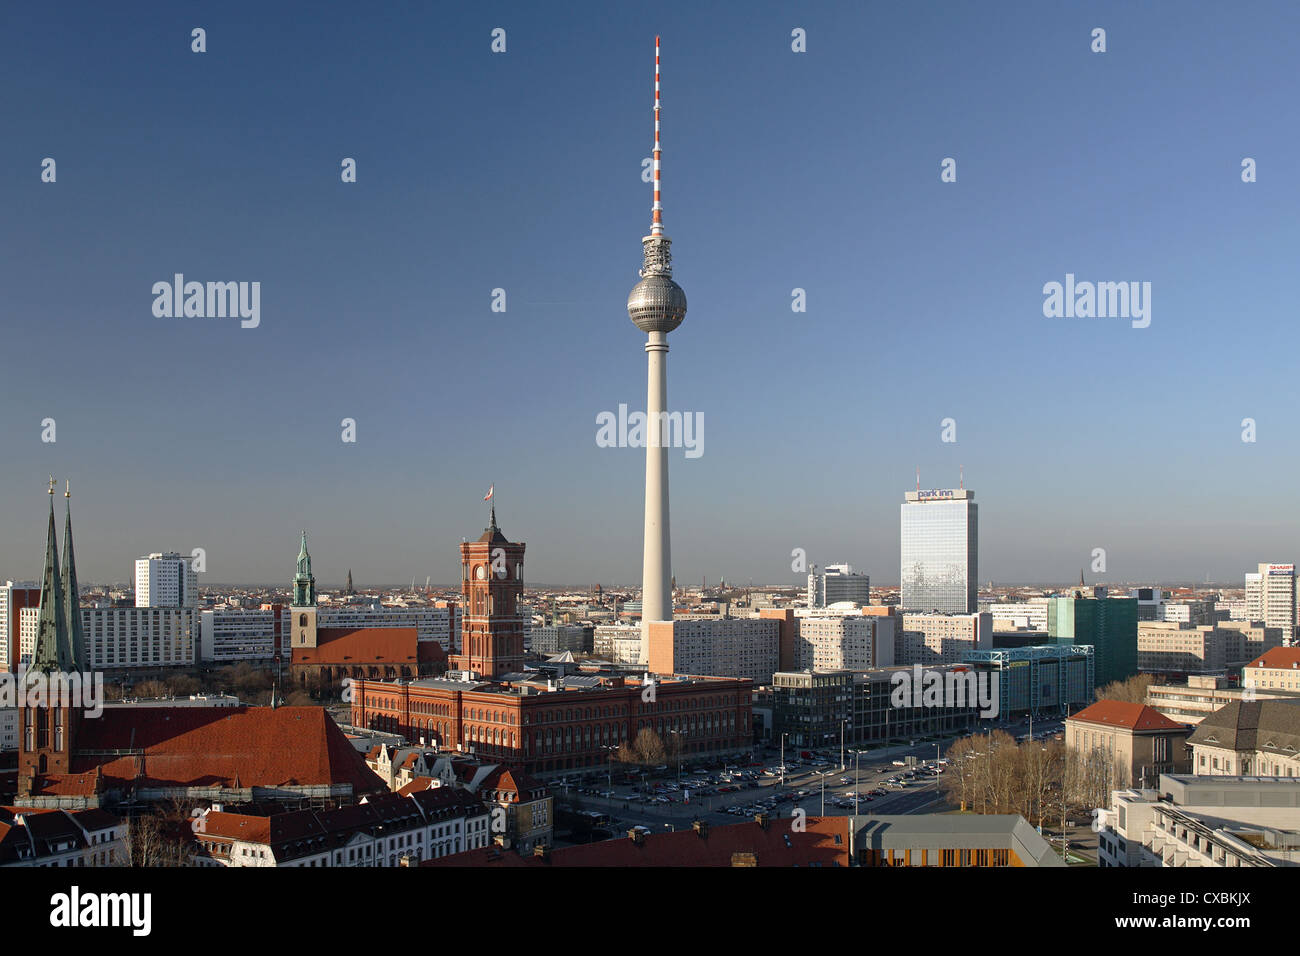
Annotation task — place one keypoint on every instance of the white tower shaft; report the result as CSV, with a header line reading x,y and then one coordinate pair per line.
x,y
656,596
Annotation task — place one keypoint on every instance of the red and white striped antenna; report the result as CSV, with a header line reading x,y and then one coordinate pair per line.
x,y
962,481
657,218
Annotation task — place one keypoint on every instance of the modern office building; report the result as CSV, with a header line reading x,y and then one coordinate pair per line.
x,y
1190,612
836,583
940,544
1109,624
1041,680
1270,597
557,638
942,638
1174,650
1227,821
1150,603
165,579
813,708
1246,640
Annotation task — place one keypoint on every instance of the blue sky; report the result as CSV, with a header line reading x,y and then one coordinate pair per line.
x,y
521,170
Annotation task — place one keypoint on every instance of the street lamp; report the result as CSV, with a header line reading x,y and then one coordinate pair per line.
x,y
783,736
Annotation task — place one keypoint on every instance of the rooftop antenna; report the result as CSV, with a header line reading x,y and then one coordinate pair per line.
x,y
918,478
961,472
656,218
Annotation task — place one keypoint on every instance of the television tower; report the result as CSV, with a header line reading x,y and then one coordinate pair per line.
x,y
657,305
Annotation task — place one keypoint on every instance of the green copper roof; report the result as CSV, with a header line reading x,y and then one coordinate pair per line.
x,y
51,649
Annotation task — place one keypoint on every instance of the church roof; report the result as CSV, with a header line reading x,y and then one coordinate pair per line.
x,y
215,746
353,646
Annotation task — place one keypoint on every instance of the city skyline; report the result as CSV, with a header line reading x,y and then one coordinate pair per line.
x,y
376,295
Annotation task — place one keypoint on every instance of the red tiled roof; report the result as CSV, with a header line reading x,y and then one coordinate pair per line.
x,y
1134,717
508,780
214,746
352,647
1288,657
727,845
416,785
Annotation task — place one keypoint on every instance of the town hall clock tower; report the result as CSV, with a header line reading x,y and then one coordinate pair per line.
x,y
491,584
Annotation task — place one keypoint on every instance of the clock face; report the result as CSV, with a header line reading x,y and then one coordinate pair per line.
x,y
480,573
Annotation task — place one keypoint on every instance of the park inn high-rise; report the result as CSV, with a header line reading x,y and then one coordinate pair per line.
x,y
940,543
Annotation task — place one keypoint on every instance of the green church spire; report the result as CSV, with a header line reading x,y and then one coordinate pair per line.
x,y
304,584
72,595
51,651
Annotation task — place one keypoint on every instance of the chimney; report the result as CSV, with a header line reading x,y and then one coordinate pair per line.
x,y
761,819
702,828
542,852
637,836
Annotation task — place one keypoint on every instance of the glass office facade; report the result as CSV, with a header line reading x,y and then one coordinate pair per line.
x,y
939,547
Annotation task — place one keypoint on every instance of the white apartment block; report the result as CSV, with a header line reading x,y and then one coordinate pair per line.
x,y
228,635
942,638
1270,596
1028,615
838,582
850,642
620,643
120,638
166,579
735,647
234,634
1204,822
13,598
431,623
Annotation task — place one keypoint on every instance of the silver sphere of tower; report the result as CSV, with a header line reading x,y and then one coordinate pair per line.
x,y
656,304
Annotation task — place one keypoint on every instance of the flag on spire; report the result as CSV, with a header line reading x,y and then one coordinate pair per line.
x,y
488,496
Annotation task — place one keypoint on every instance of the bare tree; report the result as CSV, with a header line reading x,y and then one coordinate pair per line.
x,y
1132,691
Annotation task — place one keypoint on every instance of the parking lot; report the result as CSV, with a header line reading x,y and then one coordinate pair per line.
x,y
900,779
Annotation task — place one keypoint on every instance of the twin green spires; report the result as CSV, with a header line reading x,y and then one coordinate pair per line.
x,y
304,583
60,643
